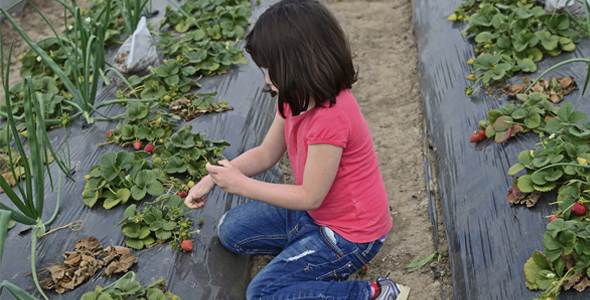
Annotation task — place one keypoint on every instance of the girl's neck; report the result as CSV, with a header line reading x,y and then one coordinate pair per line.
x,y
309,106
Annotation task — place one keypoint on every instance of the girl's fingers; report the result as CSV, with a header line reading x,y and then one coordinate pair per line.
x,y
224,163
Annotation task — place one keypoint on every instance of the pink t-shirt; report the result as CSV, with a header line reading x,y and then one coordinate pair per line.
x,y
356,205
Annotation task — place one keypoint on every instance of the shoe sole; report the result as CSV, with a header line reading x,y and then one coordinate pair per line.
x,y
404,292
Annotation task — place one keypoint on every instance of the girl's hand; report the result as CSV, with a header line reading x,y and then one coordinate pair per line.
x,y
197,196
226,176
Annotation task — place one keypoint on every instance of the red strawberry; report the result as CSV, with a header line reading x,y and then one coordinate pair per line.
x,y
579,209
553,217
137,145
481,134
121,21
474,137
187,245
109,134
182,194
149,148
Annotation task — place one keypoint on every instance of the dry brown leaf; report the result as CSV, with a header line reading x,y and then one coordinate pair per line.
x,y
57,271
582,285
566,82
571,282
555,98
80,265
109,257
111,268
86,257
121,249
555,88
74,260
126,261
529,200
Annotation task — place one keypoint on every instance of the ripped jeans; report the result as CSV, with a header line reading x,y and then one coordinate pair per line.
x,y
312,261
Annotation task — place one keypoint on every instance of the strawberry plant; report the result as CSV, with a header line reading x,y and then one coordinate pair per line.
x,y
511,36
158,222
121,176
165,83
33,65
187,152
560,163
139,126
128,287
563,157
56,102
532,113
207,56
219,20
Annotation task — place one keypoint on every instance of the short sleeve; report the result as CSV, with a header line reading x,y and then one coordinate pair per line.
x,y
329,126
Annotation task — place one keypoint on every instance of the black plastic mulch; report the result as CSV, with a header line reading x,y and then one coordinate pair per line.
x,y
489,239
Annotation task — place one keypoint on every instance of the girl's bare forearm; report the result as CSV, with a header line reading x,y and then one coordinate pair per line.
x,y
254,161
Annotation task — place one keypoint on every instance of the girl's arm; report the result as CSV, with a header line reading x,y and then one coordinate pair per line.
x,y
250,163
263,157
319,173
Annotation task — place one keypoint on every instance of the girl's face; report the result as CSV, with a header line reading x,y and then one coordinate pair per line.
x,y
269,82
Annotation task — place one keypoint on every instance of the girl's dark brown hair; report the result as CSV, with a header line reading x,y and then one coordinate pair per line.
x,y
305,51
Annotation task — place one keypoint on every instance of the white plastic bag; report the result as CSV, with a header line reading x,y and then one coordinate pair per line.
x,y
575,7
137,53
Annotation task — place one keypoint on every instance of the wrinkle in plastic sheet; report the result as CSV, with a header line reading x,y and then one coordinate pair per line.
x,y
489,239
208,272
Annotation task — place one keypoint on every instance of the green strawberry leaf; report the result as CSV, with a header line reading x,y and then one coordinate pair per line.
x,y
525,184
110,203
132,230
135,244
169,225
138,193
130,211
546,187
515,169
143,232
163,234
155,188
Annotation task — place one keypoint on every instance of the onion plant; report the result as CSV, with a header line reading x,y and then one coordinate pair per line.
x,y
27,206
86,64
131,11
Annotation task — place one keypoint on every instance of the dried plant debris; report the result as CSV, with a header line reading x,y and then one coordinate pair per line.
x,y
515,196
194,105
80,265
555,88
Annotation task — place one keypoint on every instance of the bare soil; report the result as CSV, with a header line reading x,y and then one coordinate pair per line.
x,y
388,91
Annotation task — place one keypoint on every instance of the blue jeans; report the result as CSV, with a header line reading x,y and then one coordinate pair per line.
x,y
311,261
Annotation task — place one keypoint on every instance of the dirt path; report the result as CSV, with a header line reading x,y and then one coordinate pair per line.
x,y
388,91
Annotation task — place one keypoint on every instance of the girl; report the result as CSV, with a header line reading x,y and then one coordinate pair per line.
x,y
334,221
